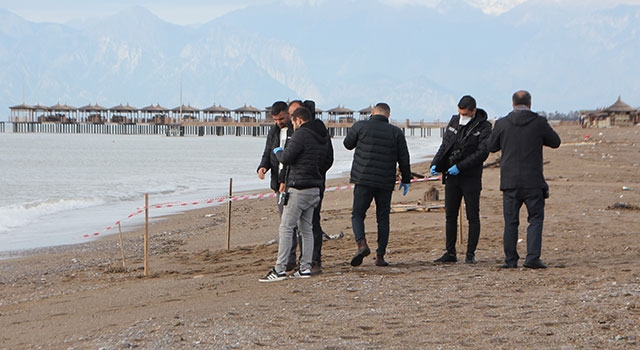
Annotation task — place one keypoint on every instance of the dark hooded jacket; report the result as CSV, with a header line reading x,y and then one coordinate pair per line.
x,y
464,145
379,146
520,136
269,160
307,156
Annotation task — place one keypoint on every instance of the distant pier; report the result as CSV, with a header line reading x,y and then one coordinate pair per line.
x,y
181,121
196,128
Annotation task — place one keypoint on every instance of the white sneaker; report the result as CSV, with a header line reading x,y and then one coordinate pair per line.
x,y
273,276
302,273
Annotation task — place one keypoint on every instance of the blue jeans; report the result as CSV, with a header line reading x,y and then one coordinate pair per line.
x,y
512,201
362,197
298,212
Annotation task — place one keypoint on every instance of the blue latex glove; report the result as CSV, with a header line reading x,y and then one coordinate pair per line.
x,y
433,170
404,187
277,149
454,170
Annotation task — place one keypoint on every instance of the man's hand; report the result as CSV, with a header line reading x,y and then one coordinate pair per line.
x,y
454,170
261,172
277,149
433,170
404,187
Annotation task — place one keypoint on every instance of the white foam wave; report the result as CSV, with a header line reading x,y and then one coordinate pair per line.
x,y
19,215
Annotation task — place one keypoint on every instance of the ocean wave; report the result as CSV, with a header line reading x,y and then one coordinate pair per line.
x,y
19,215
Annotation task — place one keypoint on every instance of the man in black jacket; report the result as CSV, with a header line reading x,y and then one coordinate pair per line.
x,y
318,233
304,155
520,136
460,159
379,146
278,135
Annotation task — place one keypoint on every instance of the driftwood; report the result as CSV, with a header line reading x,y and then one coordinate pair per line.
x,y
401,208
496,163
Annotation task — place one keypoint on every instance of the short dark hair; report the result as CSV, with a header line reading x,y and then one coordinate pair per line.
x,y
311,106
383,108
278,107
467,102
521,97
302,113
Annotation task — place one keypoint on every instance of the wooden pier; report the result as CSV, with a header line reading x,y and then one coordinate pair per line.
x,y
336,129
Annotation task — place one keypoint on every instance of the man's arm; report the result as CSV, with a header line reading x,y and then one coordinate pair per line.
x,y
404,162
265,161
351,140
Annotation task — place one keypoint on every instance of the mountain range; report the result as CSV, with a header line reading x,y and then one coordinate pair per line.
x,y
420,60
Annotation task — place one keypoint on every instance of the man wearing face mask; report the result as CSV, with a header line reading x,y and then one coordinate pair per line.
x,y
459,159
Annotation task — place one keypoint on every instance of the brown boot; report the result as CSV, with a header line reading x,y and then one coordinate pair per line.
x,y
380,260
363,250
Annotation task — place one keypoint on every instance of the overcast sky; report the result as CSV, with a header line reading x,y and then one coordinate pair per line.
x,y
200,11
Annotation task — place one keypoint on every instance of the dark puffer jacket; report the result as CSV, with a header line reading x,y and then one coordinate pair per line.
x,y
379,146
464,145
307,156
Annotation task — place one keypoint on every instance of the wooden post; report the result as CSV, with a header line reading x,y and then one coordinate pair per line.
x,y
146,234
124,264
229,214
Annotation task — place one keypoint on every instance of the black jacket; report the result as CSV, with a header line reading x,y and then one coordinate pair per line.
x,y
307,156
269,160
521,135
464,145
379,146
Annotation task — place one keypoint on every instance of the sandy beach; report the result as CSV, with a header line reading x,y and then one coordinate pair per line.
x,y
200,295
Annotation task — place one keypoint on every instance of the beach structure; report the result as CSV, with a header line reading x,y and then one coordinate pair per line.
x,y
616,115
182,120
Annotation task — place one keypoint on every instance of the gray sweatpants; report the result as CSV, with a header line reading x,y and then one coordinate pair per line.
x,y
298,212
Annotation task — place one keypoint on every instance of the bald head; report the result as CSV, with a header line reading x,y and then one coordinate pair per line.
x,y
521,98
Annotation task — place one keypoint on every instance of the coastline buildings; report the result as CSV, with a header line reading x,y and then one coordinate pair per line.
x,y
618,114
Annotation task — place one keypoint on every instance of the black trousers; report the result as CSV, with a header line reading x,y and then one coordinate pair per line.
x,y
457,188
362,197
317,231
512,201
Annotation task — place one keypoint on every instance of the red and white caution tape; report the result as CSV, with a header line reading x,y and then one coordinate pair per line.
x,y
218,200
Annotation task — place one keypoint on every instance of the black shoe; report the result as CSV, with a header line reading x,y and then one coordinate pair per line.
x,y
447,258
470,260
536,264
380,260
508,266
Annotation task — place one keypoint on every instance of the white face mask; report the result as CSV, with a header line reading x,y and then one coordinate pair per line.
x,y
465,120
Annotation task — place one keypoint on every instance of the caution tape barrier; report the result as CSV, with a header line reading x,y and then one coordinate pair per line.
x,y
218,200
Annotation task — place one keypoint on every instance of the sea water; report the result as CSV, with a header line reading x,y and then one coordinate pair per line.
x,y
58,189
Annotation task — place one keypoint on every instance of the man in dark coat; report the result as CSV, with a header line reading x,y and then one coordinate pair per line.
x,y
520,136
303,157
318,233
460,159
278,135
379,147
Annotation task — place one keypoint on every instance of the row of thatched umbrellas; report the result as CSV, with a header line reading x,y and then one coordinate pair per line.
x,y
28,111
160,109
